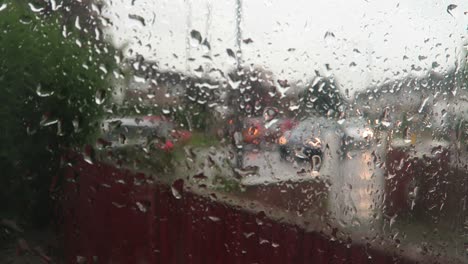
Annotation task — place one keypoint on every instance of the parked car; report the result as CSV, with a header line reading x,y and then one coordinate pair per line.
x,y
358,134
257,130
308,140
158,131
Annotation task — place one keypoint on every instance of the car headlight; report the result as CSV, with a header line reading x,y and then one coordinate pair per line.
x,y
282,140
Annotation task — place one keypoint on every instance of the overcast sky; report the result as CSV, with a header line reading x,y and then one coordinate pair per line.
x,y
372,41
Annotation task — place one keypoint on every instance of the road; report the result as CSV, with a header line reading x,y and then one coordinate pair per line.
x,y
356,183
271,168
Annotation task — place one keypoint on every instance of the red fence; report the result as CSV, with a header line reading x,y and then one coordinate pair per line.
x,y
441,187
115,216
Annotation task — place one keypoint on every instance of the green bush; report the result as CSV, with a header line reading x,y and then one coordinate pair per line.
x,y
49,78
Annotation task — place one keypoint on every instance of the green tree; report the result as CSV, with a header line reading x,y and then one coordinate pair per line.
x,y
321,96
49,78
251,90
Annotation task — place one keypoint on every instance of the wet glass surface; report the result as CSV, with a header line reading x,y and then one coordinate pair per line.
x,y
347,119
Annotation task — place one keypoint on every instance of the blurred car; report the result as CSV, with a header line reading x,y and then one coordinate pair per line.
x,y
358,134
257,130
308,140
149,130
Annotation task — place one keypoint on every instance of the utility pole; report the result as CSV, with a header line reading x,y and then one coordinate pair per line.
x,y
208,21
239,33
187,36
370,64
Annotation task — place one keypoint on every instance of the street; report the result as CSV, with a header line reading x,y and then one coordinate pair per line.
x,y
355,184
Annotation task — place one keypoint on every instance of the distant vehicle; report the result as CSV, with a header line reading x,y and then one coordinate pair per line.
x,y
257,130
144,131
358,134
308,140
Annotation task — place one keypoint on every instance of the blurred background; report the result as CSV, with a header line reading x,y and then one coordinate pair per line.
x,y
344,119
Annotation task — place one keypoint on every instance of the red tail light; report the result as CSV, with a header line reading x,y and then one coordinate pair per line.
x,y
253,131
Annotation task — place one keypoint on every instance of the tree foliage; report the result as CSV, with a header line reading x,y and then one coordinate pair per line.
x,y
322,96
49,78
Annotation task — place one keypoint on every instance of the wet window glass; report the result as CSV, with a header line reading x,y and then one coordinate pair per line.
x,y
139,131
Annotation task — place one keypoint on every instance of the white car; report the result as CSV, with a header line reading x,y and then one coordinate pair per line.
x,y
358,134
316,140
136,131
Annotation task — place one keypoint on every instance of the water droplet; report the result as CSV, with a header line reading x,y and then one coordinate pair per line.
x,y
41,93
393,220
59,128
80,259
142,207
199,71
450,8
139,79
46,120
270,113
423,104
195,38
114,124
30,131
247,235
122,139
247,171
231,53
100,96
89,154
137,18
213,197
77,23
103,69
424,83
214,218
35,9
54,5
283,83
26,20
76,125
210,162
206,46
177,188
118,205
407,135
329,34
234,84
386,117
